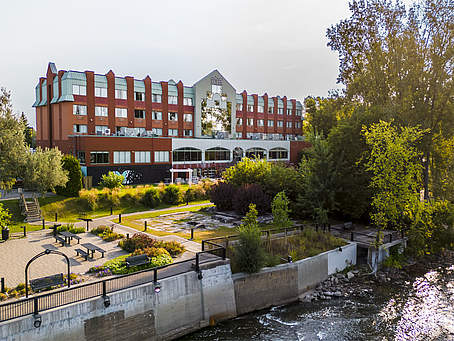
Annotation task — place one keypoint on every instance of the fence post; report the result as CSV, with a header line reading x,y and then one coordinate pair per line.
x,y
145,227
104,289
224,253
25,230
3,285
197,262
155,275
127,235
192,234
35,306
111,210
56,216
44,224
203,245
351,236
119,218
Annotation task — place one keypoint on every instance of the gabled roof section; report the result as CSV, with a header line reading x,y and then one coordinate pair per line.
x,y
215,73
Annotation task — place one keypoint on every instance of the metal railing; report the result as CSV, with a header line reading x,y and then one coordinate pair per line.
x,y
85,291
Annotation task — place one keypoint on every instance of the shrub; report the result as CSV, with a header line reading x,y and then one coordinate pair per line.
x,y
71,228
74,184
222,195
151,198
89,198
3,297
151,252
247,171
112,180
171,195
100,271
113,198
251,194
106,233
280,210
173,247
249,254
118,265
141,241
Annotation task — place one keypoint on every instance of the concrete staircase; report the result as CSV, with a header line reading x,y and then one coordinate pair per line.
x,y
30,209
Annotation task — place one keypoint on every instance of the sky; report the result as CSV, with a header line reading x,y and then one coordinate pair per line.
x,y
277,47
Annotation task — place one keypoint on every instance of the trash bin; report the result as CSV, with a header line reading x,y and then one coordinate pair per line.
x,y
5,233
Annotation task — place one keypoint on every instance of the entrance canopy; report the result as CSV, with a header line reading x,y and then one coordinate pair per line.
x,y
185,170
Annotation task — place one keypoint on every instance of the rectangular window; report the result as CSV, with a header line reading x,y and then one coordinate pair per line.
x,y
121,112
156,98
139,96
101,130
142,157
173,132
187,132
161,156
239,135
120,94
216,89
139,113
260,108
121,131
138,131
187,101
79,109
80,90
239,107
80,128
280,124
100,92
289,124
187,117
81,157
122,157
157,115
250,121
239,121
260,123
156,131
99,157
289,111
173,116
173,100
270,123
250,108
270,110
280,111
101,111
298,112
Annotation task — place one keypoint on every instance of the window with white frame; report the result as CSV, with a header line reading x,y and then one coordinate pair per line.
x,y
142,157
120,94
157,115
270,110
250,108
122,157
239,107
250,121
79,109
278,154
187,117
239,121
173,116
270,123
216,89
172,132
156,131
80,128
280,124
100,92
260,123
173,100
260,108
100,130
289,111
156,98
187,101
121,112
161,156
289,124
280,111
101,111
80,90
298,112
139,113
187,132
139,96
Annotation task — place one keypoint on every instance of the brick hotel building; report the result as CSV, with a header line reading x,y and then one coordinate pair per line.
x,y
144,129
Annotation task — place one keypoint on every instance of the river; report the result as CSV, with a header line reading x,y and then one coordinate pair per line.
x,y
419,308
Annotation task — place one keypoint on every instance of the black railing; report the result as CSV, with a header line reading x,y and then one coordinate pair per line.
x,y
85,291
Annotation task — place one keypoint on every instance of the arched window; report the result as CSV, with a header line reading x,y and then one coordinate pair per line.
x,y
187,154
259,153
217,154
278,154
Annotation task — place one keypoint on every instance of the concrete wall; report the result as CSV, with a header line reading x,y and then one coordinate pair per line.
x,y
284,283
184,304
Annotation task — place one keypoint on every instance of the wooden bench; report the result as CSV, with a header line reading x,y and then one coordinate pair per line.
x,y
82,253
137,260
348,226
46,282
101,251
60,239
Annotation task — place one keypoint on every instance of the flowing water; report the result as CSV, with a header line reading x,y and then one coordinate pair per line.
x,y
420,308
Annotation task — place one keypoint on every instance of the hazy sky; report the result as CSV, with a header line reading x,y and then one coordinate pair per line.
x,y
278,47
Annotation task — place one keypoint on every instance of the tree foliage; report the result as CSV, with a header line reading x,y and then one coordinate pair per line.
x,y
280,210
74,185
322,114
5,217
112,180
247,171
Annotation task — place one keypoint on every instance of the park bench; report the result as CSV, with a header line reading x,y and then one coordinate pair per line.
x,y
101,251
60,239
82,253
77,238
137,260
348,226
46,282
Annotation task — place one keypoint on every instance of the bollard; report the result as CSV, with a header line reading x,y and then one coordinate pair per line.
x,y
145,227
111,211
25,230
119,218
192,234
127,235
3,285
56,216
44,224
351,236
